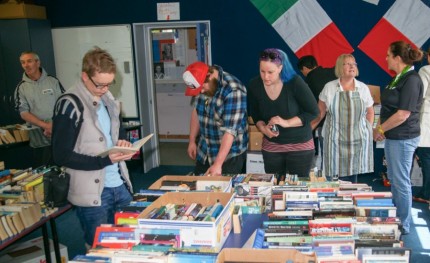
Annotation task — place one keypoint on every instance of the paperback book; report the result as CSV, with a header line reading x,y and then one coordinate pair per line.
x,y
126,150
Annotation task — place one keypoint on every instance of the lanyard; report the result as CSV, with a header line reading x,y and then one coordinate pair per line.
x,y
396,80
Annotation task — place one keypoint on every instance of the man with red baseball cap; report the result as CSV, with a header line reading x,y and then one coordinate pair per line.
x,y
219,128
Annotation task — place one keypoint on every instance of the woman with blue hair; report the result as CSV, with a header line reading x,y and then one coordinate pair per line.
x,y
282,107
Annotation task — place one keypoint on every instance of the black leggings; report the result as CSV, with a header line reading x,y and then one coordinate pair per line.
x,y
281,163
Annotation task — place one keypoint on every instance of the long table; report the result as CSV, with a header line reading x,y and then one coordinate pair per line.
x,y
43,224
250,224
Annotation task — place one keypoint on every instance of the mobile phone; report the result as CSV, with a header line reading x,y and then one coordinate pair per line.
x,y
274,128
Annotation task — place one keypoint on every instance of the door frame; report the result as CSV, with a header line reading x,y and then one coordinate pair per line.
x,y
146,91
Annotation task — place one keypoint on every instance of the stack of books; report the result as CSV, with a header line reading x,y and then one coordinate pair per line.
x,y
339,222
254,192
15,217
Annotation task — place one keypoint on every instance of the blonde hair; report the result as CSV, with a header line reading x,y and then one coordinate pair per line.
x,y
338,69
98,60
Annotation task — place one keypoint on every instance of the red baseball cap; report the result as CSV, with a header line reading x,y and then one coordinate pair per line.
x,y
194,77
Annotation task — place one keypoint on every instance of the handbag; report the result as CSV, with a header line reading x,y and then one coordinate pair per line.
x,y
56,187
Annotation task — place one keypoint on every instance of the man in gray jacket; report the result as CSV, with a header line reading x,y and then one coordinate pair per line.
x,y
35,98
98,185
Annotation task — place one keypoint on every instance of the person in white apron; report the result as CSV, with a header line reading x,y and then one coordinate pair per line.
x,y
347,131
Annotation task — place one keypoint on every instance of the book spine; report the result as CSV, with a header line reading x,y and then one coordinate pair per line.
x,y
214,212
217,212
190,208
203,215
152,213
259,239
4,172
285,222
193,213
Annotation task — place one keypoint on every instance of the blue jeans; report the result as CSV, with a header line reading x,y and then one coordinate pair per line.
x,y
424,155
399,154
93,216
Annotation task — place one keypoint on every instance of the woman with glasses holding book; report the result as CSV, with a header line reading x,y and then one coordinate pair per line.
x,y
348,107
282,107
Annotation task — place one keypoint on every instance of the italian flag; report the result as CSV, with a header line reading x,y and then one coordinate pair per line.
x,y
306,28
405,20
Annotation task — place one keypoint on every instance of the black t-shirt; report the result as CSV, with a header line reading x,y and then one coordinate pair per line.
x,y
295,99
407,95
316,79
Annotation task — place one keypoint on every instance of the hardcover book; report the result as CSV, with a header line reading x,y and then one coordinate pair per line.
x,y
115,237
260,179
376,211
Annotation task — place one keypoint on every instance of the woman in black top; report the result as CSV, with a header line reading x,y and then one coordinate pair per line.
x,y
282,107
399,124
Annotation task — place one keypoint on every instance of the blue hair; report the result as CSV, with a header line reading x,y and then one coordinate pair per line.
x,y
288,71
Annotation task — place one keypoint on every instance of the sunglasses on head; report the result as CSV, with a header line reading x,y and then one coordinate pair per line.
x,y
270,55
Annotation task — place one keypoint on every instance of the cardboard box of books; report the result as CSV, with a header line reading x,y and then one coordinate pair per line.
x,y
207,232
193,183
21,10
31,251
263,255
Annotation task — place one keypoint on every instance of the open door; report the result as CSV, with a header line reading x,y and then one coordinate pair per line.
x,y
163,51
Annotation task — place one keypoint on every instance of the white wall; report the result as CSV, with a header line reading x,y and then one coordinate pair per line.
x,y
71,44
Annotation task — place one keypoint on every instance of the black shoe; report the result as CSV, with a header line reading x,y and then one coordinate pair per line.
x,y
404,232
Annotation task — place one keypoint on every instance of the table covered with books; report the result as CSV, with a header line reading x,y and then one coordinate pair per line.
x,y
303,221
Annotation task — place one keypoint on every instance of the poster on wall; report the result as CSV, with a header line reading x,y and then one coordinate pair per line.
x,y
166,49
159,70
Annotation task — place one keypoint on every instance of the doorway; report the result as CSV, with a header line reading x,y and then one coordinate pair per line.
x,y
163,51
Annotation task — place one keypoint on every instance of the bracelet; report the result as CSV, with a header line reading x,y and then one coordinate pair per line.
x,y
380,130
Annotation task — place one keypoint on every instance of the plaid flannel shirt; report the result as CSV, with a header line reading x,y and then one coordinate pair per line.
x,y
225,112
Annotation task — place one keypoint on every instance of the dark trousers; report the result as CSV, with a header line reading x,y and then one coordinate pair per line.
x,y
299,162
42,156
233,165
424,155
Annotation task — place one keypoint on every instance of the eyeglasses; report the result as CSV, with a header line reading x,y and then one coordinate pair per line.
x,y
266,55
350,64
102,86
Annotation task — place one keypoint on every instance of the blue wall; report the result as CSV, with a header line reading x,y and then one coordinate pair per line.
x,y
239,32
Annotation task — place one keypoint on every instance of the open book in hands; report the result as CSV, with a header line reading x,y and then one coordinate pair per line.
x,y
126,150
